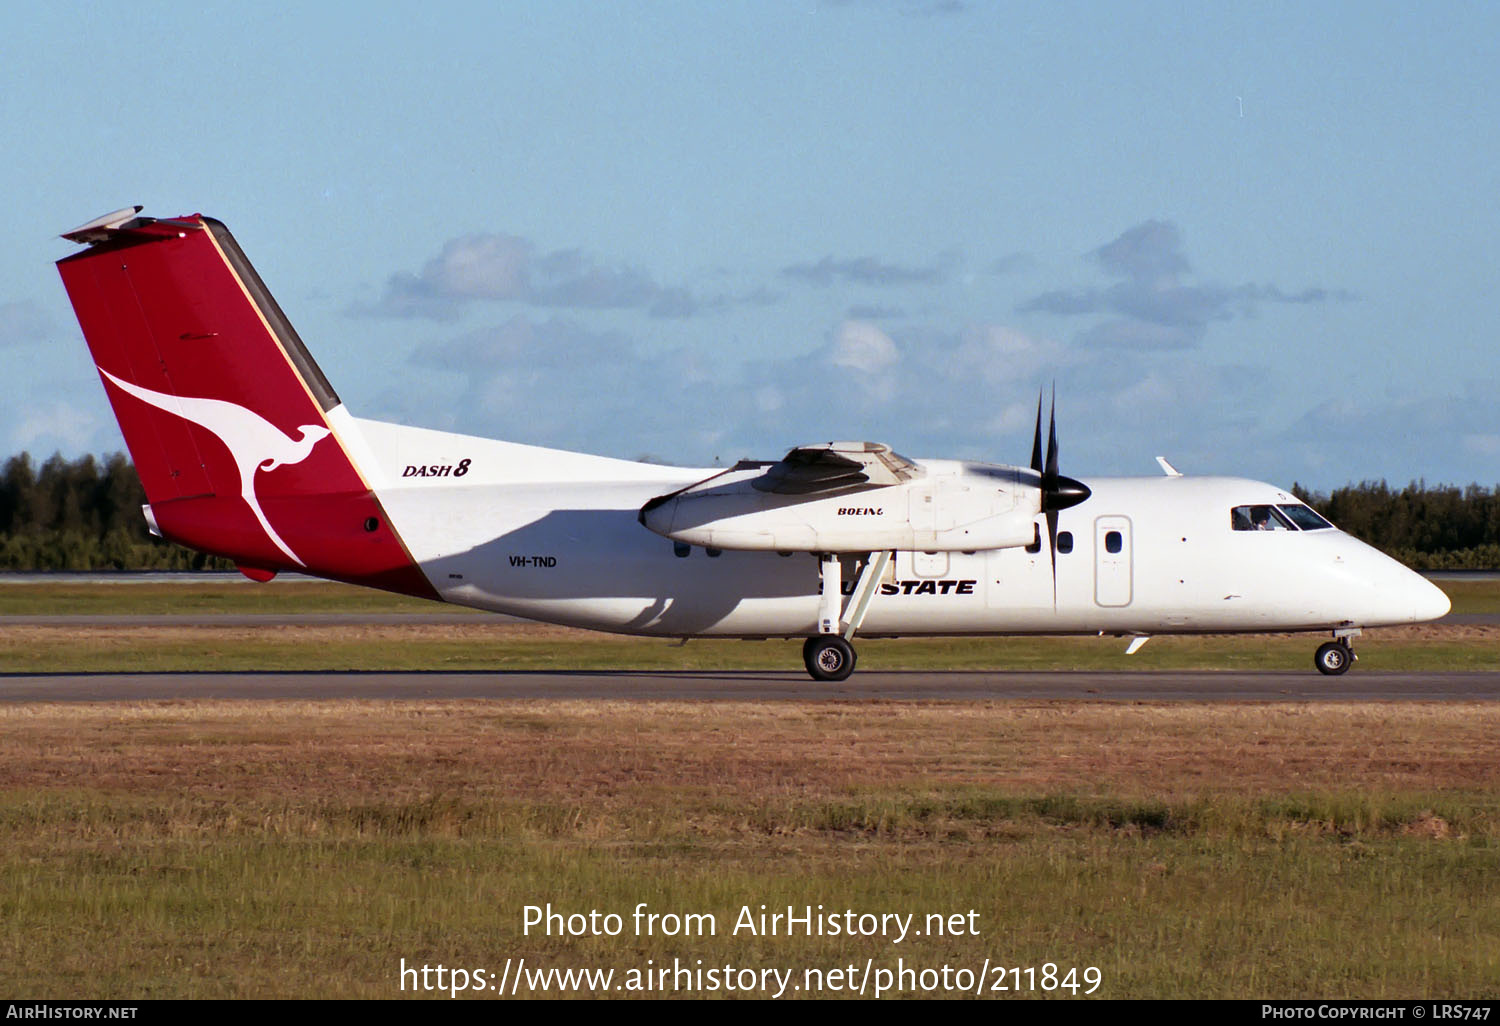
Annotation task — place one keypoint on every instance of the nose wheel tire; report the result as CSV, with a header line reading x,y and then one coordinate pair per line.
x,y
1334,658
828,657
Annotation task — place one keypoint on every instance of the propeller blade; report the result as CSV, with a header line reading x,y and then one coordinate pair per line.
x,y
1049,486
1052,550
1057,492
1051,473
1036,439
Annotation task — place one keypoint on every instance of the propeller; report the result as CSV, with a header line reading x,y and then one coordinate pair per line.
x,y
1058,492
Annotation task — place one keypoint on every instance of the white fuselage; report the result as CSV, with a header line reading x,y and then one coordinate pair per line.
x,y
556,536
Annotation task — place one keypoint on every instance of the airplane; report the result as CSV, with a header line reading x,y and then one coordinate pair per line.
x,y
245,451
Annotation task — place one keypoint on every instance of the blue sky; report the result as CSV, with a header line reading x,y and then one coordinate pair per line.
x,y
1258,239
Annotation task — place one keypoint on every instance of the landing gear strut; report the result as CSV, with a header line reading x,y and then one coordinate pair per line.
x,y
1334,657
829,654
828,657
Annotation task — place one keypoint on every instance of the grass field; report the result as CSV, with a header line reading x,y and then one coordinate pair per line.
x,y
44,649
143,596
302,849
524,647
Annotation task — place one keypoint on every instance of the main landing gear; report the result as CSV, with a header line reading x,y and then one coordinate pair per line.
x,y
1335,657
829,657
829,654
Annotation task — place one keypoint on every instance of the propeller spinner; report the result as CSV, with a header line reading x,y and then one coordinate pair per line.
x,y
1058,492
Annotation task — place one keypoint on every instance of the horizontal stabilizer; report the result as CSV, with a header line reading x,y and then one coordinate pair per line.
x,y
124,223
99,228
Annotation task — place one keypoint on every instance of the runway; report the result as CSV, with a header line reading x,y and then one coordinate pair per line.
x,y
745,686
290,619
367,619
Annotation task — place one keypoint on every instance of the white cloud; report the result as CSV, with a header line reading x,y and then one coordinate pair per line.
x,y
559,383
967,394
498,268
768,399
480,267
998,354
861,346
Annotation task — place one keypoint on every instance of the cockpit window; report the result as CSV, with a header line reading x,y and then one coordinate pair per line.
x,y
1260,518
1305,518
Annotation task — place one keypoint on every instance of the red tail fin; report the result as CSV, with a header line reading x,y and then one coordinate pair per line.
x,y
225,413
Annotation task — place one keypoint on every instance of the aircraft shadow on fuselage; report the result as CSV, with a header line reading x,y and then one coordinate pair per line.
x,y
605,554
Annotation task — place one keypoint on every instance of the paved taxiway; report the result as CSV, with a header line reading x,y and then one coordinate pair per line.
x,y
292,619
452,619
754,686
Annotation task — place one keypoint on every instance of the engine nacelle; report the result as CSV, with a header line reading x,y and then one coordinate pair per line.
x,y
950,507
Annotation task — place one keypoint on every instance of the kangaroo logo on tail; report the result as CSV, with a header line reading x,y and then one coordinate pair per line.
x,y
254,442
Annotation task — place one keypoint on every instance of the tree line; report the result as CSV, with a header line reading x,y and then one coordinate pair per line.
x,y
1429,527
85,514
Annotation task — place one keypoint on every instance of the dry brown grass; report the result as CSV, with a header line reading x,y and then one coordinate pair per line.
x,y
613,751
236,848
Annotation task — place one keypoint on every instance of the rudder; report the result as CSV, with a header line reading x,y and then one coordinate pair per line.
x,y
224,411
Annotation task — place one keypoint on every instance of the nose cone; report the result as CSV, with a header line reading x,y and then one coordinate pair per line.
x,y
1394,594
1428,601
1367,588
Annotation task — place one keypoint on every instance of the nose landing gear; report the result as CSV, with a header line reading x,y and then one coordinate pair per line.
x,y
1335,657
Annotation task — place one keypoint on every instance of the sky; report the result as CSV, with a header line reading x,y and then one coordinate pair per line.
x,y
1257,239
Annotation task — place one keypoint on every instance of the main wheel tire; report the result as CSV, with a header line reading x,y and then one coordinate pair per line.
x,y
1333,658
828,657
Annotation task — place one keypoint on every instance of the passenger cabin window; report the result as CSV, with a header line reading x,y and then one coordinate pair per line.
x,y
1305,518
1260,518
1065,542
1113,542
